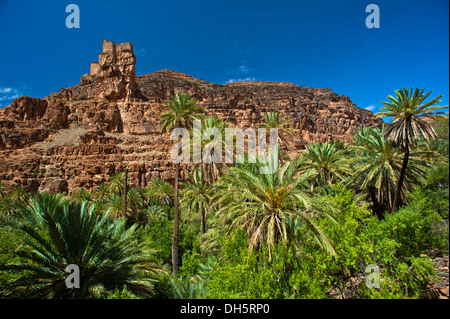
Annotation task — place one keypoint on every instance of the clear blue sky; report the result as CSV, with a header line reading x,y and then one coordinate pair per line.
x,y
320,43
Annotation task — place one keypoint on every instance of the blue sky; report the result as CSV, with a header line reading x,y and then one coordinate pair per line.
x,y
321,43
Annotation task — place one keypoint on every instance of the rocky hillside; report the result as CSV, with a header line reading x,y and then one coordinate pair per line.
x,y
80,135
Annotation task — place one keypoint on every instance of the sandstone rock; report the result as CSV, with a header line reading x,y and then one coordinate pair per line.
x,y
114,73
111,119
439,287
72,117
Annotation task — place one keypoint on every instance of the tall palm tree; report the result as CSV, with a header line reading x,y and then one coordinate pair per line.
x,y
326,162
268,206
377,166
211,171
114,207
196,197
134,203
183,110
274,120
410,113
82,195
101,192
58,234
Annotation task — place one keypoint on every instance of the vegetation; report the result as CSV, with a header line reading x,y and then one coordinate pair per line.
x,y
410,115
183,110
307,230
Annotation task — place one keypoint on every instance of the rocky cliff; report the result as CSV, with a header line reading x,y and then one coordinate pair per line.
x,y
80,135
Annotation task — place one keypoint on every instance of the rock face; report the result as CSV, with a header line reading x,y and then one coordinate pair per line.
x,y
80,135
439,287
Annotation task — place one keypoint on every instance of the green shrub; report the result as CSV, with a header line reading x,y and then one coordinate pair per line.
x,y
120,294
406,280
413,230
159,232
10,241
434,196
240,274
393,244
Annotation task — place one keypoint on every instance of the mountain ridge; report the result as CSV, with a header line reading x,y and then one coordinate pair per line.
x,y
79,136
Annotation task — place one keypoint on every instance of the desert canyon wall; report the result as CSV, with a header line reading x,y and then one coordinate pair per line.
x,y
79,136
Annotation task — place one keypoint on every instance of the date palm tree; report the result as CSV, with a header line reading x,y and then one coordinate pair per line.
x,y
19,194
269,206
101,192
8,206
274,120
82,195
116,184
113,207
326,163
135,200
211,171
58,233
159,190
197,197
282,123
410,113
183,110
377,166
12,202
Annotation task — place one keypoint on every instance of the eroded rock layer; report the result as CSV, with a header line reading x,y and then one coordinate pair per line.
x,y
79,136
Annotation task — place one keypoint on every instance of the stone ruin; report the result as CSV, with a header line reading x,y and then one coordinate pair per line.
x,y
114,72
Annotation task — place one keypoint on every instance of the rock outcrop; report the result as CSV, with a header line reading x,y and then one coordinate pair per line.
x,y
114,75
80,135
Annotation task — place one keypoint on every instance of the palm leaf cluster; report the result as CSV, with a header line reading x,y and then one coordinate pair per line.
x,y
270,206
109,198
183,111
196,197
58,233
12,202
96,230
327,163
377,167
411,116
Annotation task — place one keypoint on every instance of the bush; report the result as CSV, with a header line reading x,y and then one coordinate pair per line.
x,y
240,274
393,244
10,241
159,232
434,196
405,280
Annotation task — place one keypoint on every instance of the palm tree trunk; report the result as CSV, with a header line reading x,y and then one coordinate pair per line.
x,y
400,182
377,208
125,194
176,222
203,226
